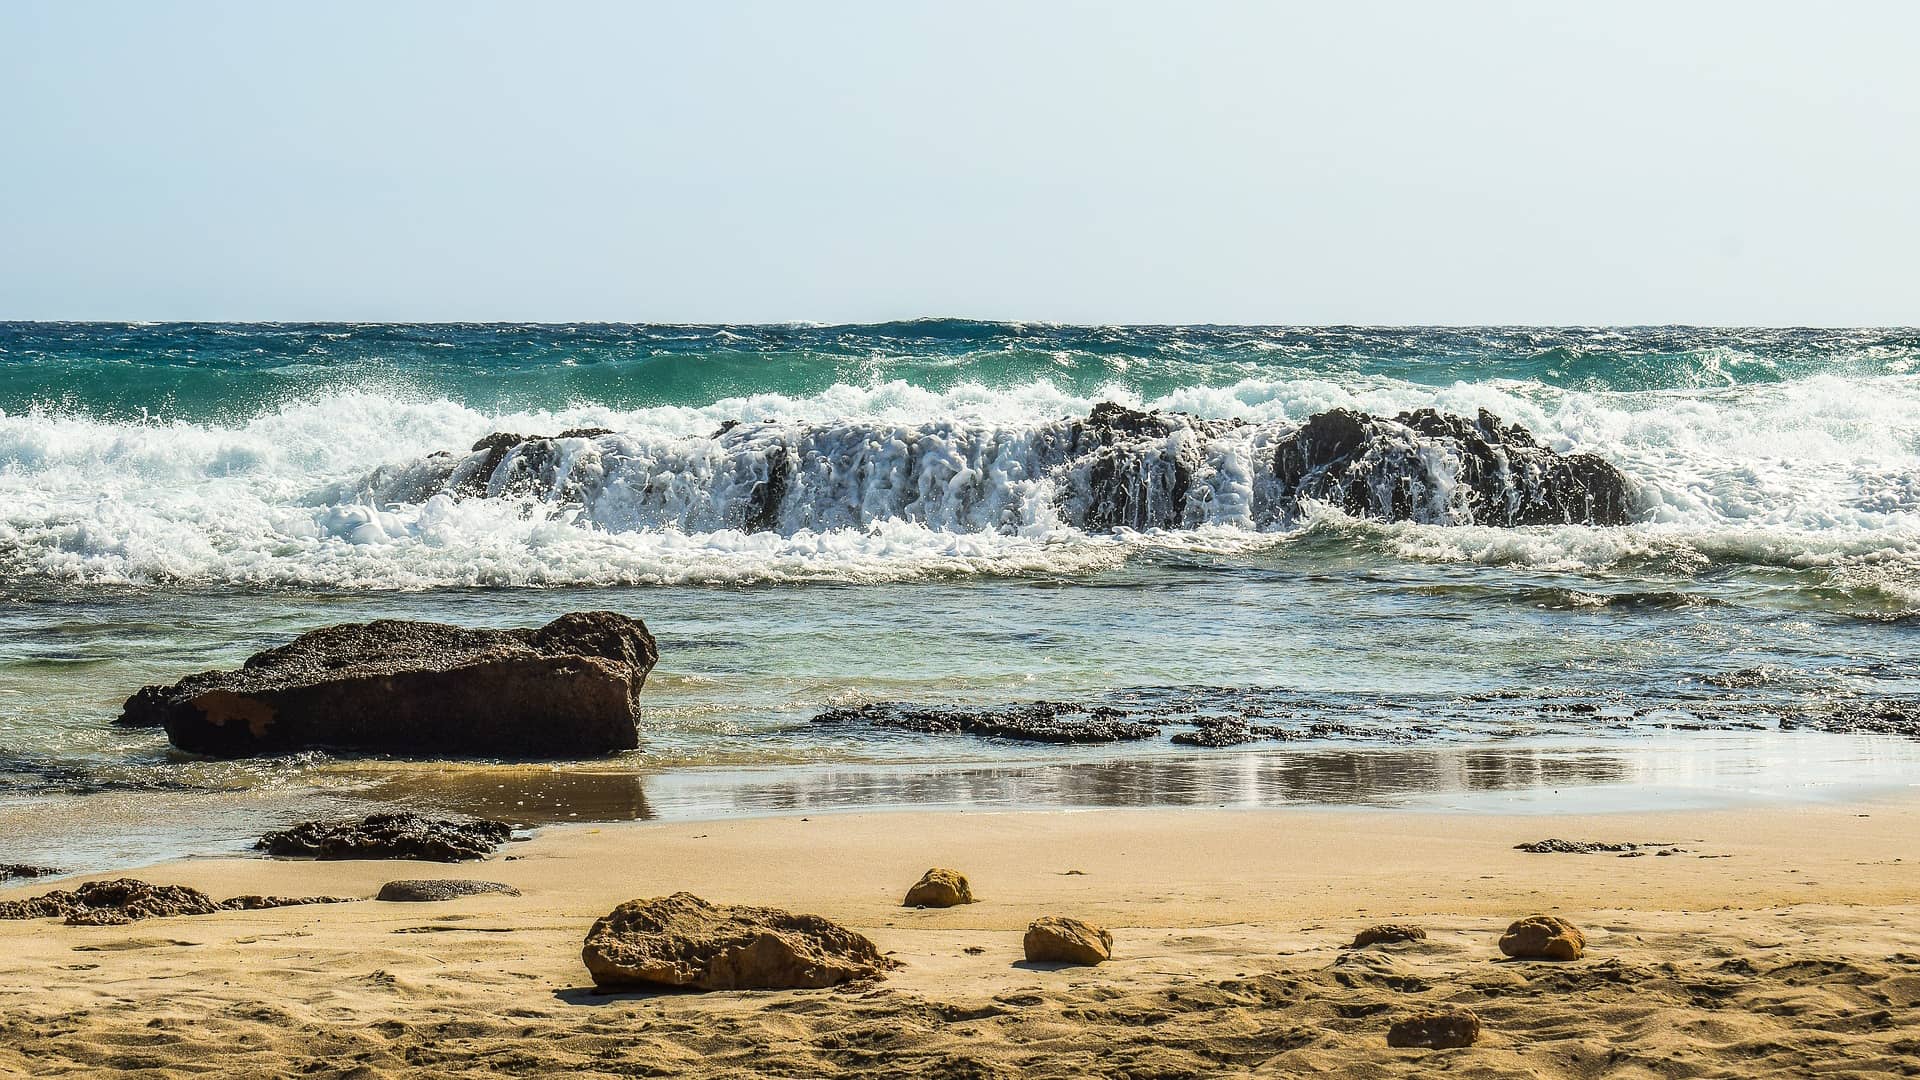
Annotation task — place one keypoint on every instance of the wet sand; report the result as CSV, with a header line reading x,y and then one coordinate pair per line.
x,y
1780,941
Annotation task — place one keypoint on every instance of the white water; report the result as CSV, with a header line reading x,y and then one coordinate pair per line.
x,y
1822,474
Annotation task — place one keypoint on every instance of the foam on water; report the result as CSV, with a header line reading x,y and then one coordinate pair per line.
x,y
1818,472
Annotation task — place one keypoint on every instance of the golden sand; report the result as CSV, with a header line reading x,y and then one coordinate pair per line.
x,y
1781,942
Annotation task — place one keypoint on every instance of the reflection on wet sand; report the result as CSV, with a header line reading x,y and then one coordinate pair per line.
x,y
1245,780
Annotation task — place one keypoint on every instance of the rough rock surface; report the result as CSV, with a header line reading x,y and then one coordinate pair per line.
x,y
568,689
1437,1030
683,941
429,890
125,900
1543,937
1379,468
939,888
1556,846
1039,721
1056,940
390,836
1387,934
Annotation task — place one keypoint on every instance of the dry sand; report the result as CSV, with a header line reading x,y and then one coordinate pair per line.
x,y
1783,942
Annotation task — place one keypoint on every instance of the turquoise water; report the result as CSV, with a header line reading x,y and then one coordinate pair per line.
x,y
173,498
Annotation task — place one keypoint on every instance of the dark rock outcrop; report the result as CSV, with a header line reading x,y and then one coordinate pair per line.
x,y
1447,1030
10,871
1039,721
1053,939
683,941
125,900
1496,474
568,689
432,890
390,836
1557,846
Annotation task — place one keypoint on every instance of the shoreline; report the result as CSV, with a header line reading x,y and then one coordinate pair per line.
x,y
1781,939
1539,776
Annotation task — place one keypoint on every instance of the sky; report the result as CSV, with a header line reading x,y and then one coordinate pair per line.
x,y
1747,162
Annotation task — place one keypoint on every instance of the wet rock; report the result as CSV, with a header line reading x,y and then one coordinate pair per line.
x,y
1056,940
390,836
1138,474
939,888
11,871
683,941
1387,934
1377,468
1436,1031
1543,937
568,689
1039,721
1894,716
1228,731
431,890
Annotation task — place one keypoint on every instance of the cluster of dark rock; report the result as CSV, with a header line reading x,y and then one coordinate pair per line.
x,y
1139,467
124,900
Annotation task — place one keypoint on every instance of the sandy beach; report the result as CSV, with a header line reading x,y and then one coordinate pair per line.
x,y
1782,941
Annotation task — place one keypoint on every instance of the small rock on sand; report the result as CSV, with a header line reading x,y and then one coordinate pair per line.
x,y
1056,940
1543,937
683,941
939,888
1436,1031
428,890
1387,934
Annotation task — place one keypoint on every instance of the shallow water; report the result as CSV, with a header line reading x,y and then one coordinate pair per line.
x,y
175,498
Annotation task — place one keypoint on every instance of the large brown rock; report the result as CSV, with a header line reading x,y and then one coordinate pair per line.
x,y
939,887
683,941
1543,937
568,689
1056,940
1436,1031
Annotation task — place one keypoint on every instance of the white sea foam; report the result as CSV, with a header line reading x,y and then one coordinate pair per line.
x,y
1818,474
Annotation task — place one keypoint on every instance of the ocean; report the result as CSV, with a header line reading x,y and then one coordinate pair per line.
x,y
175,497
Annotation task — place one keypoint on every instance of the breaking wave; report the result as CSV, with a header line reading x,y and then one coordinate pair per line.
x,y
893,481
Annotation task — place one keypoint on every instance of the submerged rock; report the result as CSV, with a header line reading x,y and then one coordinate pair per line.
x,y
939,888
125,900
1436,1030
1039,721
1053,939
10,871
1387,934
390,836
568,689
432,890
1441,469
1543,937
683,941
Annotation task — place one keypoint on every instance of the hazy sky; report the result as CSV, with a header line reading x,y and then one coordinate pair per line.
x,y
1539,162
